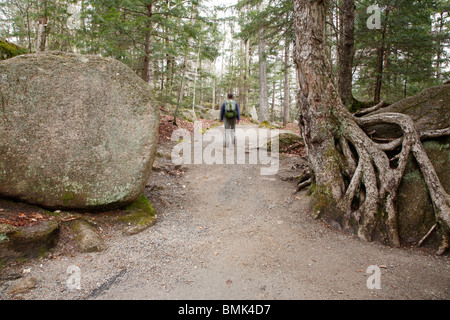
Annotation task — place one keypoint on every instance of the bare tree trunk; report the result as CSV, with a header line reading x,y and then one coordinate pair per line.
x,y
272,107
181,90
380,60
42,26
241,88
346,53
214,92
195,78
263,95
146,63
439,48
246,76
286,84
41,34
355,178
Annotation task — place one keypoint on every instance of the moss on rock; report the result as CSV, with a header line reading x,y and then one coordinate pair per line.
x,y
139,215
265,125
415,208
22,243
9,50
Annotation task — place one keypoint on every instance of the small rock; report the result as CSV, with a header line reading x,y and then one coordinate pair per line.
x,y
87,238
23,285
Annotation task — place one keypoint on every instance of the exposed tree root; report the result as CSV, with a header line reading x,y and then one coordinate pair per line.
x,y
378,106
374,177
305,179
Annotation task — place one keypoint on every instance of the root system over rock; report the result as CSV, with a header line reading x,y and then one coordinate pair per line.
x,y
356,177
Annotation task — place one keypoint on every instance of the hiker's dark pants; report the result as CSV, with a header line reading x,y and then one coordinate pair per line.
x,y
230,126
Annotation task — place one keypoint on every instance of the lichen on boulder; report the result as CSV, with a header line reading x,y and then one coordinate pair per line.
x,y
76,131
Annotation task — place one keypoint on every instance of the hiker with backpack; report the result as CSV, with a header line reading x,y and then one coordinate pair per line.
x,y
229,113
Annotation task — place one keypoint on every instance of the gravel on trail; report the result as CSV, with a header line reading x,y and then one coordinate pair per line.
x,y
227,232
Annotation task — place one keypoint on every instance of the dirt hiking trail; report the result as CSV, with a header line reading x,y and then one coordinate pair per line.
x,y
228,232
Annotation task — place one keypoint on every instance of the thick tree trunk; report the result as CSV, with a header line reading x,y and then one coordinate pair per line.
x,y
355,180
317,92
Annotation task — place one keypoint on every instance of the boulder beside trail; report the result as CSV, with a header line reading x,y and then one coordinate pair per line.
x,y
76,131
428,109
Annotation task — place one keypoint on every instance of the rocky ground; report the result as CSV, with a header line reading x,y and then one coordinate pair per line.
x,y
227,232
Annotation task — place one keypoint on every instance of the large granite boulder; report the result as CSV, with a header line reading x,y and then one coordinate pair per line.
x,y
76,131
429,110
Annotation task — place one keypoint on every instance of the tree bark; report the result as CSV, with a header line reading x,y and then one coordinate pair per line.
x,y
380,62
146,73
263,94
246,76
286,84
41,34
346,53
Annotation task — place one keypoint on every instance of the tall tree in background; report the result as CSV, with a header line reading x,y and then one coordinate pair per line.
x,y
42,26
346,53
397,59
268,27
263,94
355,179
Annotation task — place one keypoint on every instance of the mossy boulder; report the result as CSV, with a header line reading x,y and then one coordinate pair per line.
x,y
19,243
285,140
210,114
138,216
429,110
264,125
415,209
87,238
76,131
9,50
187,114
253,114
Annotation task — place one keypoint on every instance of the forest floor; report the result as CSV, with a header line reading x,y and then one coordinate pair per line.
x,y
225,231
